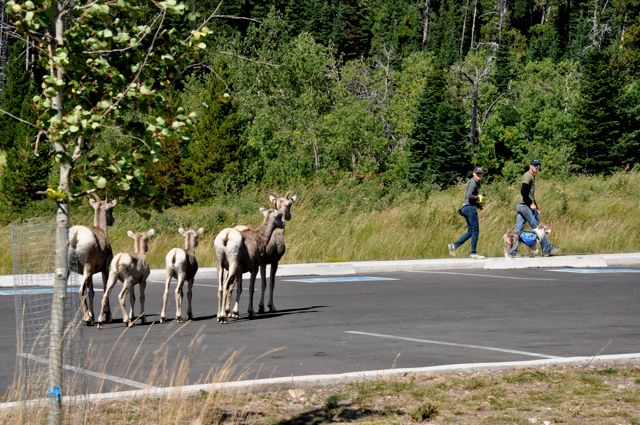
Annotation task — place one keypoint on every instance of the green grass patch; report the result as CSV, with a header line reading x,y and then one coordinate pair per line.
x,y
356,222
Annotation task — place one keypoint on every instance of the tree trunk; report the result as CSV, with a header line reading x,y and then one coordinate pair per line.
x,y
464,27
425,22
473,135
473,22
62,245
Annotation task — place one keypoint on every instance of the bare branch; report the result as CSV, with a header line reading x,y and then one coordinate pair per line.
x,y
17,118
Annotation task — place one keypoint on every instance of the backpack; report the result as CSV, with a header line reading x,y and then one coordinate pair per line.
x,y
529,238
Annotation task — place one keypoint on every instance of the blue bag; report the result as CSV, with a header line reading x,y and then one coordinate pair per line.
x,y
528,238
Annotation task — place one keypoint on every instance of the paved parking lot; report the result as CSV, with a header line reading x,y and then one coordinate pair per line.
x,y
361,322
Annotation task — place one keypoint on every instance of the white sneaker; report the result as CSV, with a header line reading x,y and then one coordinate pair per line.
x,y
476,256
452,250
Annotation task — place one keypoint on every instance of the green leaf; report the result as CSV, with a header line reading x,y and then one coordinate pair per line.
x,y
101,182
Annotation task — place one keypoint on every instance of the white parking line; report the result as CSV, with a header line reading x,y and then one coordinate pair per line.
x,y
484,275
129,382
453,344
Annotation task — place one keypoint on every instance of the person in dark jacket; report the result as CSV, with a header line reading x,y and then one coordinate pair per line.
x,y
528,210
472,202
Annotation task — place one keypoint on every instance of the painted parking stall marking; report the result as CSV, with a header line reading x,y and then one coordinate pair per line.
x,y
596,271
341,279
491,276
454,344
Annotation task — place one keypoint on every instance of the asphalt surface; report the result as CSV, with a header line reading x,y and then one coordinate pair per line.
x,y
361,320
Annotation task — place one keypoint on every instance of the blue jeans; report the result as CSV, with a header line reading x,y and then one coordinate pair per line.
x,y
470,213
527,215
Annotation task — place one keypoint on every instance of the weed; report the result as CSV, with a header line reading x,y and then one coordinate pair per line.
x,y
425,412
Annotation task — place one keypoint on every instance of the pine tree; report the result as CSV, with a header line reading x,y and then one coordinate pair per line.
x,y
24,173
216,151
439,150
600,125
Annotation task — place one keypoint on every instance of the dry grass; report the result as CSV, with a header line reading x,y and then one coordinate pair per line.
x,y
596,395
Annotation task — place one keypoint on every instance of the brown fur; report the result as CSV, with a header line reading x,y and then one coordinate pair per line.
x,y
511,237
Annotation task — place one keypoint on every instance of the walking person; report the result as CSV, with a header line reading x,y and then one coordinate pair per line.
x,y
528,210
472,202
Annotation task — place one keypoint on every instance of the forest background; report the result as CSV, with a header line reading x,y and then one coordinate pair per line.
x,y
360,107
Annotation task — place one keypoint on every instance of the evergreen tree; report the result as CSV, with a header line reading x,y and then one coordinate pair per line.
x,y
600,126
24,173
439,150
216,150
19,87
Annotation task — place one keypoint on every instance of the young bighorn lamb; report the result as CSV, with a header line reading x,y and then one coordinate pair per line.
x,y
273,253
241,252
181,264
131,269
90,253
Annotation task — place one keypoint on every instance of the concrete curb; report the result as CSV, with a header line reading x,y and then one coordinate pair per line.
x,y
360,267
314,380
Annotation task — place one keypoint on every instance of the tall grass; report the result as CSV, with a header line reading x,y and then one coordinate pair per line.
x,y
588,214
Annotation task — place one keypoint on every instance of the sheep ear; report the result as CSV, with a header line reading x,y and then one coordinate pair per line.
x,y
114,203
151,232
200,231
272,198
181,231
264,211
130,233
294,198
92,202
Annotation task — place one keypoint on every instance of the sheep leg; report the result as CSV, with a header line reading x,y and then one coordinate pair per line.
x,y
84,303
113,278
263,280
252,284
143,287
132,301
179,297
86,295
222,285
236,308
126,287
272,285
107,309
165,296
189,296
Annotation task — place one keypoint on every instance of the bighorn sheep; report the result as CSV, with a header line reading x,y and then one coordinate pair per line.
x,y
130,269
274,252
90,253
241,252
181,264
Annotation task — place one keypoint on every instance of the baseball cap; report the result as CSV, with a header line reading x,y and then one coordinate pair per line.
x,y
478,170
536,163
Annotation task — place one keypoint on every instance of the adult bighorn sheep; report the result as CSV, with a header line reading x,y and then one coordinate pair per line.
x,y
131,269
273,253
90,253
241,252
181,264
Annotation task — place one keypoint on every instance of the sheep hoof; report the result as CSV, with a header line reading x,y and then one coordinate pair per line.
x,y
189,316
163,319
235,315
251,315
261,309
99,325
272,308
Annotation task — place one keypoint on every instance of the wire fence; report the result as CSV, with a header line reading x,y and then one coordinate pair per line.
x,y
34,248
